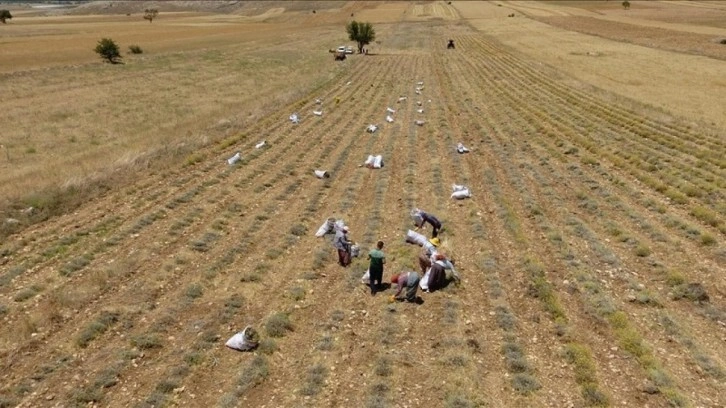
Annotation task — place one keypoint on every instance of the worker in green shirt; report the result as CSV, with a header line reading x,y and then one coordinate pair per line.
x,y
378,259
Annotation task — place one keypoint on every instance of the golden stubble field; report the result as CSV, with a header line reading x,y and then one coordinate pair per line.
x,y
592,250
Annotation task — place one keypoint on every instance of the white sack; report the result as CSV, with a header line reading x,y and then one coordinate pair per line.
x,y
318,102
354,251
246,340
420,111
391,110
458,187
416,216
321,174
423,283
318,113
369,160
419,83
418,92
461,194
371,128
461,148
339,225
327,227
366,278
294,118
389,119
419,103
419,122
403,98
414,237
378,162
234,159
261,144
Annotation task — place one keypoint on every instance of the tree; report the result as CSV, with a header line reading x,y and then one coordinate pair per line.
x,y
362,33
626,4
108,50
150,14
5,15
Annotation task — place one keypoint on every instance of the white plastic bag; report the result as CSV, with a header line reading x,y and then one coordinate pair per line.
x,y
327,227
366,278
416,216
246,340
391,110
458,187
321,174
234,159
318,113
389,119
369,161
378,162
401,99
414,237
419,122
420,111
461,148
461,194
354,251
294,118
371,128
424,282
261,144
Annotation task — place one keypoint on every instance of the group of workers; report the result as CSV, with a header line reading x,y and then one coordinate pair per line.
x,y
432,261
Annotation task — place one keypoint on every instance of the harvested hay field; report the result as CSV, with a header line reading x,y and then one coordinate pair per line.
x,y
591,250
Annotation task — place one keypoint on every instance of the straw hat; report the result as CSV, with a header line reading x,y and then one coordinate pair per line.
x,y
435,242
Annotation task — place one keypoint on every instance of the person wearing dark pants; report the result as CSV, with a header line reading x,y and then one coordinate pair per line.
x,y
377,260
431,219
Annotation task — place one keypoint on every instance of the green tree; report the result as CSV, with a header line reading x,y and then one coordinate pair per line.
x,y
108,50
5,15
361,33
626,4
150,14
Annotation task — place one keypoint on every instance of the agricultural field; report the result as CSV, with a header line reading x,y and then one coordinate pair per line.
x,y
592,249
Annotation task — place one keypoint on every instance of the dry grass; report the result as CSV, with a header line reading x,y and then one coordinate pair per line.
x,y
182,94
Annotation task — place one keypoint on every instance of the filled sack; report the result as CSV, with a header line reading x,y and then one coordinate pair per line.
x,y
246,340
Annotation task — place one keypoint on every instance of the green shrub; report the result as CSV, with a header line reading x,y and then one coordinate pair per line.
x,y
135,49
278,325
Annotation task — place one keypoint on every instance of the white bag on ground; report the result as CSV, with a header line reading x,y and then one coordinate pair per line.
x,y
461,148
327,227
234,159
458,187
371,128
378,162
261,144
414,237
318,113
369,161
366,278
389,119
294,118
354,250
246,340
461,194
419,122
390,110
403,98
420,111
321,174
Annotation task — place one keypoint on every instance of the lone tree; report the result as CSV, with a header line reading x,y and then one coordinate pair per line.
x,y
626,4
108,50
150,14
5,15
362,33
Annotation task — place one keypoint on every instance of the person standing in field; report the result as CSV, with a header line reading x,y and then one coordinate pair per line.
x,y
431,219
342,244
377,260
